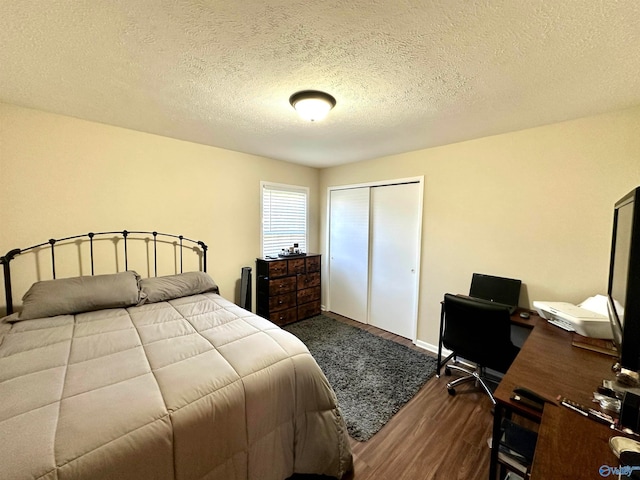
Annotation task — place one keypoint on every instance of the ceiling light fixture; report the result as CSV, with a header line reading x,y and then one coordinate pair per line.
x,y
312,105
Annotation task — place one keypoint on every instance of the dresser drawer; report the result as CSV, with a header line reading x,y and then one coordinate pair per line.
x,y
277,268
283,317
308,295
282,302
309,310
295,266
309,280
313,264
281,285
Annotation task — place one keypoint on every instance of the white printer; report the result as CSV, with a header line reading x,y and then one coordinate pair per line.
x,y
591,321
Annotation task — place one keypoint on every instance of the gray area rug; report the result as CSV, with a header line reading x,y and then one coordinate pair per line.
x,y
372,377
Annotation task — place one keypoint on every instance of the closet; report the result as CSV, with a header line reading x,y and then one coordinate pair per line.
x,y
374,253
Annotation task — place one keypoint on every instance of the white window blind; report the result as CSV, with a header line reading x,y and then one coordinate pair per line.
x,y
284,218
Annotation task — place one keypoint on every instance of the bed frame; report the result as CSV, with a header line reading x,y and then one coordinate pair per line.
x,y
199,246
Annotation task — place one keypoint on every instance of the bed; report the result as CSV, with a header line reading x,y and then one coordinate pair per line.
x,y
116,376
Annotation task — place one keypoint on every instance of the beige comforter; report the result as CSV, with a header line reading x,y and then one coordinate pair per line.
x,y
194,388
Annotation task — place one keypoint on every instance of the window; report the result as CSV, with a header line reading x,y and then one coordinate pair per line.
x,y
284,217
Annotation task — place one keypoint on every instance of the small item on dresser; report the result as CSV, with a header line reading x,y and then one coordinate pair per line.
x,y
290,252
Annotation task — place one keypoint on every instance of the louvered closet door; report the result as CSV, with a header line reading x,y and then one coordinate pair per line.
x,y
349,253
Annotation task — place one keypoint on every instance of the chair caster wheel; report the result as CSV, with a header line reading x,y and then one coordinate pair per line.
x,y
447,371
452,391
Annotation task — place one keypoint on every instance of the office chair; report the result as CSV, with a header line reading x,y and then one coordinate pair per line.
x,y
480,333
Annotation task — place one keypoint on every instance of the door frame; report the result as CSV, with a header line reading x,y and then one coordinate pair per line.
x,y
418,239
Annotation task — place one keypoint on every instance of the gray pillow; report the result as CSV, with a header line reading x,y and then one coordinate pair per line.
x,y
161,289
80,294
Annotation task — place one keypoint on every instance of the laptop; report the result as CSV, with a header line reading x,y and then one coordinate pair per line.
x,y
495,290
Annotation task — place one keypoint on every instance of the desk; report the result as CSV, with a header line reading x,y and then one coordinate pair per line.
x,y
571,446
549,365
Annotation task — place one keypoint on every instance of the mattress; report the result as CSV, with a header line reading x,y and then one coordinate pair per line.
x,y
191,388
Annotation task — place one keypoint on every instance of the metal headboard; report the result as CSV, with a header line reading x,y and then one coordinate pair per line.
x,y
6,259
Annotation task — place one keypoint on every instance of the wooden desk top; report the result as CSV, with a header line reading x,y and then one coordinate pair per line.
x,y
549,365
571,446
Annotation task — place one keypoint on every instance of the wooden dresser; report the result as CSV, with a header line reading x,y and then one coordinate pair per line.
x,y
288,289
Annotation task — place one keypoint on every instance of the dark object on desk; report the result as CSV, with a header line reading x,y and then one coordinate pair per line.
x,y
524,315
527,402
630,465
497,290
630,411
623,301
529,398
531,395
479,333
607,391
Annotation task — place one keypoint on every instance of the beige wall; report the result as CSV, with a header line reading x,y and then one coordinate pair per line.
x,y
62,176
535,205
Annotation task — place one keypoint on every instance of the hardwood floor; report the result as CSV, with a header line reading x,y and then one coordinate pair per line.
x,y
434,436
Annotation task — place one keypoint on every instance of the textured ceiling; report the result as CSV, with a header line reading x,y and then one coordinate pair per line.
x,y
406,74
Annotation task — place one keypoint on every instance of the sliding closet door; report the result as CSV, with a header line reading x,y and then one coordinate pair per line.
x,y
395,229
349,252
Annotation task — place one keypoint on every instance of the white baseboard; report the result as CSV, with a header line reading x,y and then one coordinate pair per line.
x,y
418,343
431,348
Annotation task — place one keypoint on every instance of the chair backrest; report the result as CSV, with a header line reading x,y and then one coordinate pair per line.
x,y
478,332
